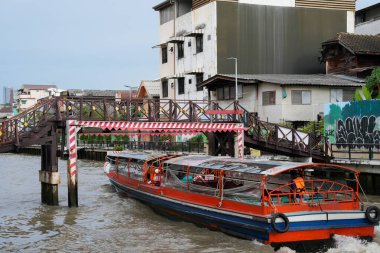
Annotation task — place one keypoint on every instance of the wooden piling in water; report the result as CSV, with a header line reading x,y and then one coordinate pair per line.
x,y
49,175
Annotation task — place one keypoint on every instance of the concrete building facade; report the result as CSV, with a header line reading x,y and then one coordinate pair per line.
x,y
267,37
367,20
29,94
282,98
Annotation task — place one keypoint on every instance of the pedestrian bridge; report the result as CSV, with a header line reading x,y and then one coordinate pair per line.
x,y
218,119
228,127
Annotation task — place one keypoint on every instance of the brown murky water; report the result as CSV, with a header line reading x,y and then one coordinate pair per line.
x,y
106,221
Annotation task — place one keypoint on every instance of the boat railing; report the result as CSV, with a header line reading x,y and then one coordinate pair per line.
x,y
315,193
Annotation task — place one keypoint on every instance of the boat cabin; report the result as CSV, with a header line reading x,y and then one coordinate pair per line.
x,y
271,186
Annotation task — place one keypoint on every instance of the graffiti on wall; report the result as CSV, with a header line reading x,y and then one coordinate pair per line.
x,y
356,122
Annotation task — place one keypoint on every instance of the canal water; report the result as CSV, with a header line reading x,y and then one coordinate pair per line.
x,y
106,221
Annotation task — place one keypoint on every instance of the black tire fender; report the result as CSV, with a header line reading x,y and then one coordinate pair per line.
x,y
369,214
276,227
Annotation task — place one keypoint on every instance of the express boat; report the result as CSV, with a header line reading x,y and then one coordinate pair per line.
x,y
249,198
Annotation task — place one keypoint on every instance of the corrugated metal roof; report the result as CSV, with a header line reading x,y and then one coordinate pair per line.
x,y
38,86
152,87
95,93
286,79
251,166
134,155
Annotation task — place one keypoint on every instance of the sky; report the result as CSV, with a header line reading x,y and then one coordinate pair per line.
x,y
85,44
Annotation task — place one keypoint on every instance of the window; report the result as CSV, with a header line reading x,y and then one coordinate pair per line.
x,y
166,14
336,95
348,94
219,93
269,97
228,92
199,78
23,102
301,97
181,86
199,43
164,53
180,50
165,89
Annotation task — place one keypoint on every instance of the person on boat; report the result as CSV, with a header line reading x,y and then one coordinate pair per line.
x,y
156,177
297,185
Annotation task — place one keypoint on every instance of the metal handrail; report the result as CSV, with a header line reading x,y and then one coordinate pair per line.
x,y
310,196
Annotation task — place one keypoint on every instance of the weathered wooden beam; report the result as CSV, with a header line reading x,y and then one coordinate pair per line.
x,y
49,176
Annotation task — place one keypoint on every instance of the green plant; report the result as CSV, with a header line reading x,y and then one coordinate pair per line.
x,y
197,138
373,83
118,148
314,127
363,94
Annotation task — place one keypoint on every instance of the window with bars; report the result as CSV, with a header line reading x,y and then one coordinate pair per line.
x,y
199,43
181,86
165,89
180,50
301,97
164,53
269,97
199,79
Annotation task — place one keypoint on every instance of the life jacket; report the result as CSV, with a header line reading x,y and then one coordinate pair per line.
x,y
155,177
300,184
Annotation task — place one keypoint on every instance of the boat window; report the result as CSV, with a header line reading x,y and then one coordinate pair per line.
x,y
209,182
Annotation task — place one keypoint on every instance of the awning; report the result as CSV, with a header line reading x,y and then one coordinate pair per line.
x,y
194,72
180,39
195,33
176,76
161,45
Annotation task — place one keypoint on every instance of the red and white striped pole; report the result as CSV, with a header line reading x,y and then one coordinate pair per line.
x,y
240,142
72,175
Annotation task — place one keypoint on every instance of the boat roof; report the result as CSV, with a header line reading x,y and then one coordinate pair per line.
x,y
135,155
262,167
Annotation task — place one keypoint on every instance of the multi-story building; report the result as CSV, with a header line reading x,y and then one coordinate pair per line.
x,y
29,94
267,37
367,20
7,96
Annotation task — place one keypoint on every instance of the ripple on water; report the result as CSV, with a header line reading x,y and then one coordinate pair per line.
x,y
106,221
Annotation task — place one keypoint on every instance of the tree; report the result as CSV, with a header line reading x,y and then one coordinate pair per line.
x,y
373,83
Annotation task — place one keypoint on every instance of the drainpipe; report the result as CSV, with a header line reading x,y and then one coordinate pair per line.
x,y
174,33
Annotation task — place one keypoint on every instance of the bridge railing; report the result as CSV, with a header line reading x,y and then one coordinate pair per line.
x,y
283,136
359,151
152,110
13,129
156,110
111,109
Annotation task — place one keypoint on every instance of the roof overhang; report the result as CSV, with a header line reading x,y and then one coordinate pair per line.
x,y
179,39
176,76
194,72
195,33
161,45
163,5
218,80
